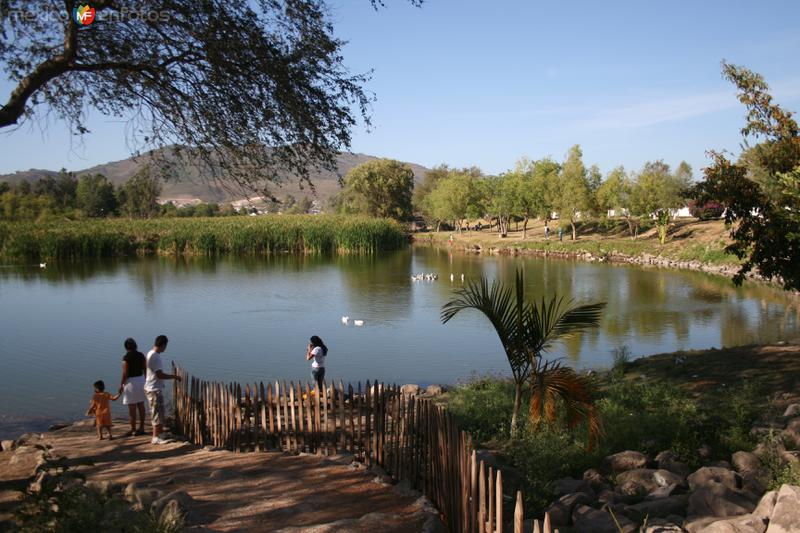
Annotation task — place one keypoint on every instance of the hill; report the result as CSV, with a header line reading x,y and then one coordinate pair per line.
x,y
188,185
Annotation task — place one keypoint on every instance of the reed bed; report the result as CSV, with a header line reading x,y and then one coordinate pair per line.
x,y
199,236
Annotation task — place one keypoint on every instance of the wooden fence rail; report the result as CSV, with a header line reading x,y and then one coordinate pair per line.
x,y
411,438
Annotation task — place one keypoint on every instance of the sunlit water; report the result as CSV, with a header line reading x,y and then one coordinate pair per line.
x,y
250,319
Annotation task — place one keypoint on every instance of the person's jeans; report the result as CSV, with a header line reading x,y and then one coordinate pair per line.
x,y
319,376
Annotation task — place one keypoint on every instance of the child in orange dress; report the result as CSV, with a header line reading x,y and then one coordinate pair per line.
x,y
100,408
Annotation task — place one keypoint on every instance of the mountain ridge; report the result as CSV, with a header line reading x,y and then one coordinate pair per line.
x,y
188,186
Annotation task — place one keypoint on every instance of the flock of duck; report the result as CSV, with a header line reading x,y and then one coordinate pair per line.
x,y
417,277
434,277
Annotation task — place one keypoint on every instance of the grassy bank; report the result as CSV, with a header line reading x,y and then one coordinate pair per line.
x,y
206,236
688,240
712,397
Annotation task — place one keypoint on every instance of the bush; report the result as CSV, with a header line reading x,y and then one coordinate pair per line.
x,y
483,407
705,211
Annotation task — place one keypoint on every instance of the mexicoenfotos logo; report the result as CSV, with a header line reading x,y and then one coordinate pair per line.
x,y
83,14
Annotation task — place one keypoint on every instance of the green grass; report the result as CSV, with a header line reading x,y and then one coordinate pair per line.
x,y
645,415
199,236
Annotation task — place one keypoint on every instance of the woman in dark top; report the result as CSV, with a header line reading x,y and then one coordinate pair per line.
x,y
132,385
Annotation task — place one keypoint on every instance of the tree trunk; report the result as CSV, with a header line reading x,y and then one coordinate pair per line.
x,y
574,230
517,403
525,228
438,225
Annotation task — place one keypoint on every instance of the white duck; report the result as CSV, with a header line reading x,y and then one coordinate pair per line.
x,y
345,320
42,265
358,322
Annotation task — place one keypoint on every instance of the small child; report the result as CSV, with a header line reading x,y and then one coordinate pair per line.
x,y
100,408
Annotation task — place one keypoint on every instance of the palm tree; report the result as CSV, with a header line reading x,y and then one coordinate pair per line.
x,y
528,330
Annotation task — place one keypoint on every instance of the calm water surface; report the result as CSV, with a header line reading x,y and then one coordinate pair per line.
x,y
249,319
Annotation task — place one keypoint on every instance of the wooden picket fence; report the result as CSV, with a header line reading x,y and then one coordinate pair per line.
x,y
411,438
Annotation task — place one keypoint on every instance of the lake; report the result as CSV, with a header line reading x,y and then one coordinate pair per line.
x,y
249,319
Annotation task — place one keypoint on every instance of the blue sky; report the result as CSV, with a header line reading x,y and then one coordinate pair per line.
x,y
484,83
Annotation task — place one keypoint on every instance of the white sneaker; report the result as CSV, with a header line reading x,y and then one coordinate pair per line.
x,y
159,440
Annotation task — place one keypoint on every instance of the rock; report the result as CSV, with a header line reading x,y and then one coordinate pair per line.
x,y
739,524
141,496
433,390
721,464
717,499
404,490
786,515
792,431
792,410
662,492
594,478
381,477
643,481
28,439
175,505
708,475
659,525
8,445
56,427
668,460
561,510
764,509
661,508
624,461
608,496
588,520
409,389
745,462
42,478
568,485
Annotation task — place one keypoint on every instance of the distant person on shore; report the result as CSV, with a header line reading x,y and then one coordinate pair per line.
x,y
132,385
154,388
101,409
317,351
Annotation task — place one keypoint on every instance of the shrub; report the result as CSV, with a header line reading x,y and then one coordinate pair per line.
x,y
483,407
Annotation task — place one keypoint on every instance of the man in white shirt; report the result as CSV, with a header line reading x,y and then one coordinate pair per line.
x,y
154,387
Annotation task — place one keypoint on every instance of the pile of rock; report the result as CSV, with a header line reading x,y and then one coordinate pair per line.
x,y
412,389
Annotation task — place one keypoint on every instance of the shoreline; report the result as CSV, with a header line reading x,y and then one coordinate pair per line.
x,y
643,259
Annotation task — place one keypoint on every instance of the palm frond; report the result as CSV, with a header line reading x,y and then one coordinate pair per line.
x,y
552,385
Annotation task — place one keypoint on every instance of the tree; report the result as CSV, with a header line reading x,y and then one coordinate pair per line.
x,y
95,196
250,87
615,194
457,198
302,207
574,196
760,192
527,330
423,189
138,197
379,188
656,191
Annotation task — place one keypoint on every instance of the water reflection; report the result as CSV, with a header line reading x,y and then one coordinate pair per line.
x,y
249,318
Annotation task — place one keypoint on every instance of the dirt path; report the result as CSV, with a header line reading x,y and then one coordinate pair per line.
x,y
232,491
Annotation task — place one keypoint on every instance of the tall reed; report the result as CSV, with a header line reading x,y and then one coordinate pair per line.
x,y
199,236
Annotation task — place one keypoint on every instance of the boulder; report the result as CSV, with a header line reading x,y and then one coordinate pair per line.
x,y
589,520
561,510
739,524
792,410
668,460
746,462
141,496
643,481
792,431
709,475
627,460
608,496
409,389
28,439
568,485
717,499
658,525
8,445
661,508
764,509
662,492
174,505
594,478
786,515
433,390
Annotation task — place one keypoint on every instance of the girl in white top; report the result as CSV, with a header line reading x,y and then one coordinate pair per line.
x,y
317,351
